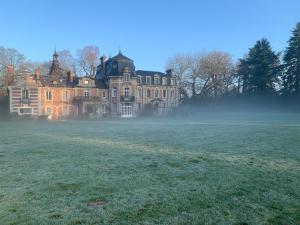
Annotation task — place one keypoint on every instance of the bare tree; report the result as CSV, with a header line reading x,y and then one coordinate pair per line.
x,y
88,59
218,67
66,60
9,58
180,65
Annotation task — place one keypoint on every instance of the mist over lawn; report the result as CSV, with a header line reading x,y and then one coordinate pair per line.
x,y
216,168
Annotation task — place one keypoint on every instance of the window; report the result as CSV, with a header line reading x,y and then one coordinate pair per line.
x,y
126,77
86,82
114,107
114,92
25,110
148,80
172,81
139,79
164,81
103,108
126,92
48,112
64,95
48,95
86,93
164,93
148,93
103,94
156,93
140,93
172,94
156,80
25,94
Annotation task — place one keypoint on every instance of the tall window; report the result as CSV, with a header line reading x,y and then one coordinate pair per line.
x,y
25,94
164,93
114,92
103,94
86,93
148,93
103,108
139,79
114,107
148,80
64,95
48,95
126,92
126,77
172,94
156,93
140,93
164,81
156,80
48,112
172,81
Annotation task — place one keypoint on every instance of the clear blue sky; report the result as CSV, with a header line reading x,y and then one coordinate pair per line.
x,y
149,32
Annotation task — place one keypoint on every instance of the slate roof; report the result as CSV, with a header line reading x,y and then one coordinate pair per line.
x,y
150,73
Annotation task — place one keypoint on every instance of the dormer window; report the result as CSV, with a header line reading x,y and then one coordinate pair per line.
x,y
139,79
172,81
164,81
156,80
114,92
148,80
126,77
86,82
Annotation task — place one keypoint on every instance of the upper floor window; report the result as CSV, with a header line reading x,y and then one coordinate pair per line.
x,y
25,94
126,92
126,77
114,92
103,94
139,79
48,95
164,81
86,82
86,93
148,80
172,81
156,80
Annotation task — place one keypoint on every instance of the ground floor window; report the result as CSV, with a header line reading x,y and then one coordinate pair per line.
x,y
26,111
48,110
127,110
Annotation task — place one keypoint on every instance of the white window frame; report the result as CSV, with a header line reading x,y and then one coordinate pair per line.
x,y
48,95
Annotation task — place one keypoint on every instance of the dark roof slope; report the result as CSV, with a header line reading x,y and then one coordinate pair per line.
x,y
149,73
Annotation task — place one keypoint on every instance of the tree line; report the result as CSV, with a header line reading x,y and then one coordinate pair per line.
x,y
262,72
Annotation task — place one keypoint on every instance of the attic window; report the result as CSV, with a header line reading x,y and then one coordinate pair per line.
x,y
86,82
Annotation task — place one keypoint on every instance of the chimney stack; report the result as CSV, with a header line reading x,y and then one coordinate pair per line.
x,y
37,73
71,75
103,59
10,74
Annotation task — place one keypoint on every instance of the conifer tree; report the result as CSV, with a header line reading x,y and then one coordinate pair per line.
x,y
291,75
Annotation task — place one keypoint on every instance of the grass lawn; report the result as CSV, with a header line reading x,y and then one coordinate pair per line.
x,y
215,169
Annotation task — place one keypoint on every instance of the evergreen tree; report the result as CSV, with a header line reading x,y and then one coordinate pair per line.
x,y
260,69
291,76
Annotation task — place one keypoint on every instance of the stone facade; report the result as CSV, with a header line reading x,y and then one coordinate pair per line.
x,y
118,90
